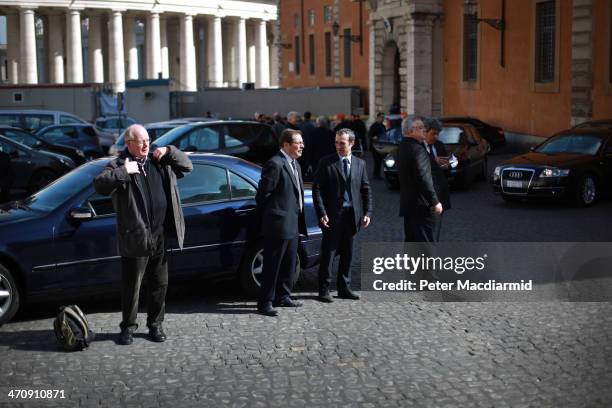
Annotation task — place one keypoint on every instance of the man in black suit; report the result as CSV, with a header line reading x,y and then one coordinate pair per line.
x,y
439,161
419,203
343,201
280,203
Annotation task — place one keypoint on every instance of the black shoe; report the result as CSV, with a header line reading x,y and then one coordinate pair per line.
x,y
325,298
125,337
157,334
267,310
348,294
288,302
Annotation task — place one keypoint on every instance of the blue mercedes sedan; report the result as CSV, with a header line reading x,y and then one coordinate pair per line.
x,y
61,241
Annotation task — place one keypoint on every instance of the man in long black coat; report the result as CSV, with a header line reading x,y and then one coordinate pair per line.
x,y
439,161
343,201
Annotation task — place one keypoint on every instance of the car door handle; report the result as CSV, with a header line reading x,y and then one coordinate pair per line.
x,y
244,210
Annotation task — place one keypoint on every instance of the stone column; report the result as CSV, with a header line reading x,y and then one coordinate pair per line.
x,y
74,48
262,64
116,61
28,70
251,54
131,51
153,42
582,62
163,41
56,49
215,54
96,56
241,47
419,56
229,52
275,58
12,47
187,56
372,72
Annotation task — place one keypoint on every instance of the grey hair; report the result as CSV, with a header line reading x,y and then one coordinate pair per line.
x,y
348,132
291,114
129,132
322,121
408,123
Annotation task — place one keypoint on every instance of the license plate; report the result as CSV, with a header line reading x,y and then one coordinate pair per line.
x,y
514,184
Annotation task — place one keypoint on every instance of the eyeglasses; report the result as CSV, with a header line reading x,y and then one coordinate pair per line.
x,y
139,142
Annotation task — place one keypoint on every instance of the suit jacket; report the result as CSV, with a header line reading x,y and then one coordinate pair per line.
x,y
329,186
277,200
415,178
439,177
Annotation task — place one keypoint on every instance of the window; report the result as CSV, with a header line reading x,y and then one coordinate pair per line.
x,y
206,183
297,59
347,53
296,20
327,14
545,46
328,56
203,139
311,54
470,48
311,17
61,135
101,204
35,122
22,137
240,187
64,119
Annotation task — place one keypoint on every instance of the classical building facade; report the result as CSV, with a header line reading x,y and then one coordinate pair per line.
x,y
197,44
324,43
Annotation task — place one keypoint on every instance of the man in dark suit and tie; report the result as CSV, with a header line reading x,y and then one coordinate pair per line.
x,y
419,203
343,201
280,203
439,161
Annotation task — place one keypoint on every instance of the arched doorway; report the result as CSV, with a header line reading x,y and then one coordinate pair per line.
x,y
390,76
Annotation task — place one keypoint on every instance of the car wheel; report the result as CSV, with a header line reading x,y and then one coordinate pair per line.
x,y
251,269
40,179
586,191
9,296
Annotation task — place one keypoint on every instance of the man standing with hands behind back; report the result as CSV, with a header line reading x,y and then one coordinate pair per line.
x,y
343,201
280,204
148,206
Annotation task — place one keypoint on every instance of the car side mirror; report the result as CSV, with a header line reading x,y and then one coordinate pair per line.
x,y
81,214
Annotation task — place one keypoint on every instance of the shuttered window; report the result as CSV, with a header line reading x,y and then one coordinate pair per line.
x,y
545,42
297,59
311,54
328,56
347,53
470,48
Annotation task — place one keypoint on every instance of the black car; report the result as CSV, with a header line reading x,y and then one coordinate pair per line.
x,y
38,143
574,164
492,134
155,130
252,141
61,242
82,136
461,141
603,123
30,169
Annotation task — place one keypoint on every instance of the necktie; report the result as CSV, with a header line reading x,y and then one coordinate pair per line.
x,y
297,179
431,152
347,182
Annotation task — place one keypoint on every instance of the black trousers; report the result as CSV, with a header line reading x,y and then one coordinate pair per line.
x,y
337,241
279,272
377,163
154,270
422,225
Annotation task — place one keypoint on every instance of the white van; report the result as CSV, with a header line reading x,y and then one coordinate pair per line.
x,y
34,119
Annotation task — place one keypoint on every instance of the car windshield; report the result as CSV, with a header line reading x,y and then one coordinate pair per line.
x,y
577,144
62,189
450,135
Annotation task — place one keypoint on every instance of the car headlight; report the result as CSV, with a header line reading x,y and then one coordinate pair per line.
x,y
389,161
80,153
553,172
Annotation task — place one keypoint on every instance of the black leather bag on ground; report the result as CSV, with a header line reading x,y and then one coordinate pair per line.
x,y
72,329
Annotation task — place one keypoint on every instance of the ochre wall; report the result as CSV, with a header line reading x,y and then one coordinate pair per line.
x,y
602,87
348,18
505,97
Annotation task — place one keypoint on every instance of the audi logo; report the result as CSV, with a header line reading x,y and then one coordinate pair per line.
x,y
515,174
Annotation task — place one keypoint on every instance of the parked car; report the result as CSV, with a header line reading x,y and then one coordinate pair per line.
x,y
492,134
61,242
248,140
84,137
604,123
38,143
34,119
575,164
155,130
114,124
32,169
461,140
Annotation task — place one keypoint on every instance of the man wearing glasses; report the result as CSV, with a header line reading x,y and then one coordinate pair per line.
x,y
146,200
419,203
280,205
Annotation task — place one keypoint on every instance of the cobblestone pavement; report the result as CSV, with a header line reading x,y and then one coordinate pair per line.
x,y
402,351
